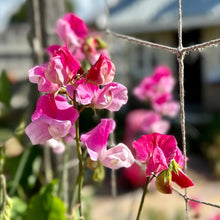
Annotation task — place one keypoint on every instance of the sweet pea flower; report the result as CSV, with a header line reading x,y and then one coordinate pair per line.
x,y
170,108
62,67
37,75
85,91
53,118
157,150
102,72
113,158
71,29
111,97
153,122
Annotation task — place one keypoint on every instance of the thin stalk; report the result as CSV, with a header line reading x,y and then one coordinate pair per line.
x,y
80,175
80,158
143,197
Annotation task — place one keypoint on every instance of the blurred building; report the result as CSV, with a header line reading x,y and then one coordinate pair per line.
x,y
157,21
15,52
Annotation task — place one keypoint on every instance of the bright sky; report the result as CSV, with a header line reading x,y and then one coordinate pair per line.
x,y
7,8
86,9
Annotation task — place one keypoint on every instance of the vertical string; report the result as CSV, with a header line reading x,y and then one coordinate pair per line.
x,y
180,58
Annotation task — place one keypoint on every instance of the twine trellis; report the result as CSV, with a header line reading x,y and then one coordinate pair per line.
x,y
180,53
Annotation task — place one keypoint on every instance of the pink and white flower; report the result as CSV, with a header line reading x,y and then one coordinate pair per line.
x,y
115,157
53,118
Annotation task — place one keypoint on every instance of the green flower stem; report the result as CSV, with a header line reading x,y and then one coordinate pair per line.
x,y
80,174
143,197
80,158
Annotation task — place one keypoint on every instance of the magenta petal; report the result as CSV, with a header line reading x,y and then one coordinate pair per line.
x,y
117,157
157,162
56,108
144,147
103,71
85,91
96,139
168,144
182,179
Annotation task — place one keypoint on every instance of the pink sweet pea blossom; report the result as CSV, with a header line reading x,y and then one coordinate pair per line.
x,y
53,118
71,29
62,67
37,75
157,150
111,97
170,108
114,158
85,91
152,122
102,72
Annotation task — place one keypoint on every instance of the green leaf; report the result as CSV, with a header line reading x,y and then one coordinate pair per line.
x,y
45,205
5,89
18,209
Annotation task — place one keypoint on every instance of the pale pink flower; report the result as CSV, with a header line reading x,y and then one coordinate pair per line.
x,y
62,67
37,75
53,118
111,97
143,90
170,108
102,72
115,157
71,29
157,150
152,122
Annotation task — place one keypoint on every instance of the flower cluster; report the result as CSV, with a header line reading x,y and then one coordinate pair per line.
x,y
79,75
157,91
69,88
164,159
84,45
